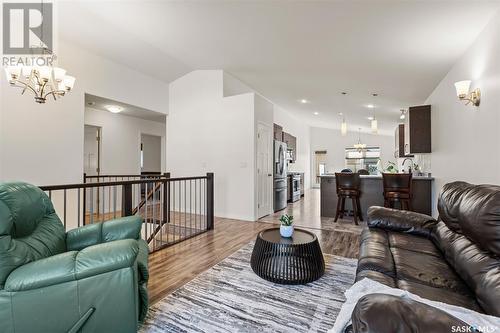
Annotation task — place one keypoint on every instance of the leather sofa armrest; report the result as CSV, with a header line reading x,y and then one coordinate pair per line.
x,y
400,220
381,313
128,227
70,266
106,257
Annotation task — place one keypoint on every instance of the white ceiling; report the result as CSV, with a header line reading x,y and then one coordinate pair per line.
x,y
289,50
100,103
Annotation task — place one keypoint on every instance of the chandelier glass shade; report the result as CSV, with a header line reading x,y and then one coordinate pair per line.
x,y
42,81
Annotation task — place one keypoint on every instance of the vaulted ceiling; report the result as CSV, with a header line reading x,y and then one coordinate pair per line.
x,y
291,50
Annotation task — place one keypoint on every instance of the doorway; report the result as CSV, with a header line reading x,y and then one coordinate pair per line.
x,y
151,154
320,157
264,170
92,150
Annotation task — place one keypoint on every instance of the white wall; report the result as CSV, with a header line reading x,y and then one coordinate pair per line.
x,y
209,133
465,139
334,143
120,140
43,144
300,130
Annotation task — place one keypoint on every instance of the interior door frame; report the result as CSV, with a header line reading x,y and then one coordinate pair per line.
x,y
270,167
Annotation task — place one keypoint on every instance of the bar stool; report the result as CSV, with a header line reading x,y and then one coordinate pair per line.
x,y
348,188
397,188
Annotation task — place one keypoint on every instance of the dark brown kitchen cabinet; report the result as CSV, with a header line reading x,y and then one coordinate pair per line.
x,y
417,130
278,132
291,144
399,143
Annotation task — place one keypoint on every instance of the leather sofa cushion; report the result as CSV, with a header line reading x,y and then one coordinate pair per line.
x,y
375,254
401,221
73,265
474,211
449,202
42,273
412,243
376,276
427,269
477,267
440,294
381,313
29,227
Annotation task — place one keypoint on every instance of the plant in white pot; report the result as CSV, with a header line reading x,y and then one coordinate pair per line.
x,y
286,227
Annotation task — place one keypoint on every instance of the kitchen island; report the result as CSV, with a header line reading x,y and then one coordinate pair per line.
x,y
372,194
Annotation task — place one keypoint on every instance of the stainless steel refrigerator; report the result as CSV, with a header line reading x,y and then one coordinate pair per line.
x,y
279,175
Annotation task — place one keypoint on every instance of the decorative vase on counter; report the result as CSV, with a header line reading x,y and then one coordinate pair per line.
x,y
286,230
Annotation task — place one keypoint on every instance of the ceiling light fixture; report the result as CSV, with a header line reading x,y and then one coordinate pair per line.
x,y
343,125
374,125
304,101
315,113
463,93
370,106
370,118
114,108
42,81
359,146
403,114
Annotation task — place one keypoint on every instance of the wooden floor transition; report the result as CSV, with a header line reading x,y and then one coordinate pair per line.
x,y
176,265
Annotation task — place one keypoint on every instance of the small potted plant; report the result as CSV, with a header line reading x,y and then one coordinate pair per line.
x,y
286,227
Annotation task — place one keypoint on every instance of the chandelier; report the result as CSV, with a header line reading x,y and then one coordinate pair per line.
x,y
360,147
42,81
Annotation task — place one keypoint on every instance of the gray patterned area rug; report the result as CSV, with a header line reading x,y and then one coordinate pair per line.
x,y
230,298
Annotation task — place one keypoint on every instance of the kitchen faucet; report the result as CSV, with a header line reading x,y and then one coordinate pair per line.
x,y
403,164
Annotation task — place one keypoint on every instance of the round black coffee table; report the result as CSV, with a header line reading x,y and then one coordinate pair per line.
x,y
295,260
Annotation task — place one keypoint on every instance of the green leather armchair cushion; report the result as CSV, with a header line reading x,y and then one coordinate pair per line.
x,y
29,230
122,228
74,265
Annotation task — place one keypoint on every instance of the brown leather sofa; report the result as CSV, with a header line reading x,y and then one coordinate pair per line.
x,y
455,260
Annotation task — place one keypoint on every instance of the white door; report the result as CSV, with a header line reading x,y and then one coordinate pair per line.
x,y
264,170
91,150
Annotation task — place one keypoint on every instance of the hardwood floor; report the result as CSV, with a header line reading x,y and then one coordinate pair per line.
x,y
176,265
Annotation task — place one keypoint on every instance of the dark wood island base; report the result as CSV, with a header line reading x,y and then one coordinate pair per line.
x,y
372,191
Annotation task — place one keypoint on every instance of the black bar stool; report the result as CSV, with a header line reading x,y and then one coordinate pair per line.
x,y
348,188
397,188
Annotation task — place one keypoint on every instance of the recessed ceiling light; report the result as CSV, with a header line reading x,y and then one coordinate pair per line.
x,y
315,113
370,106
114,108
371,118
304,101
341,114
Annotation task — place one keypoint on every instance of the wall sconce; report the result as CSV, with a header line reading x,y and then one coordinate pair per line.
x,y
463,93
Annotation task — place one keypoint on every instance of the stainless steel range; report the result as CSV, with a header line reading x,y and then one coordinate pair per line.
x,y
280,175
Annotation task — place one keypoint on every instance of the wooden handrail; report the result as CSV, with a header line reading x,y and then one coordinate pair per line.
x,y
114,183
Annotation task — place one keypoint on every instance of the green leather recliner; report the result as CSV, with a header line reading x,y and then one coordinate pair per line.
x,y
90,279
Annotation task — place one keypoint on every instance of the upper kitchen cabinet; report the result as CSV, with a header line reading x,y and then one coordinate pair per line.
x,y
278,132
291,144
417,130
